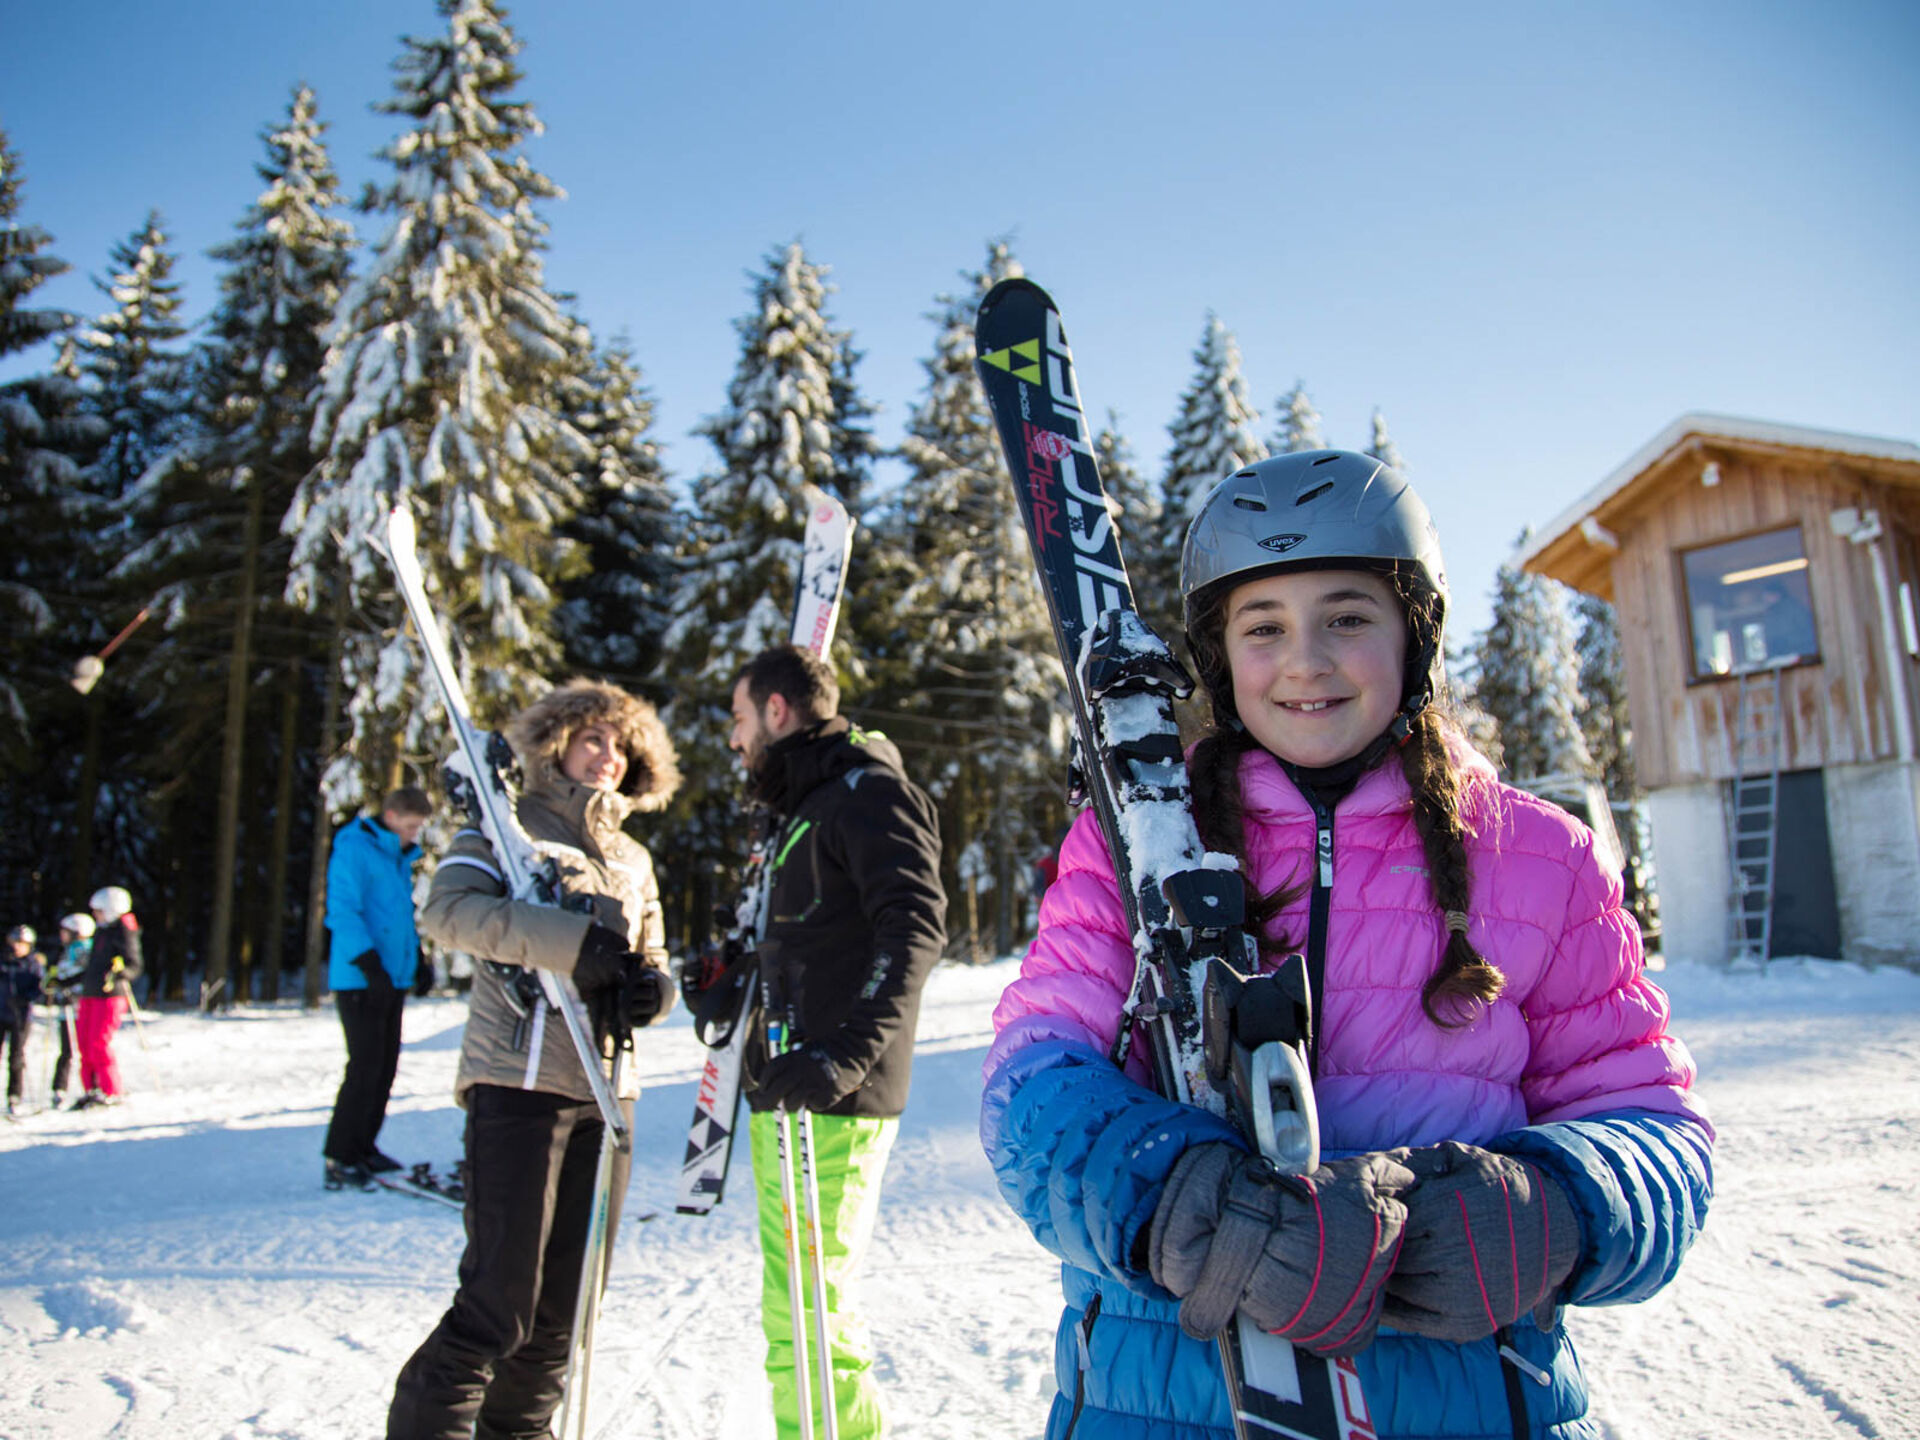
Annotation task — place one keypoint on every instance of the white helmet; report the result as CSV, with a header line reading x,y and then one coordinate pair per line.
x,y
81,925
110,902
22,932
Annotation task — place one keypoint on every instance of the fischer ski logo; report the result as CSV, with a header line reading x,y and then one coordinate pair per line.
x,y
1027,350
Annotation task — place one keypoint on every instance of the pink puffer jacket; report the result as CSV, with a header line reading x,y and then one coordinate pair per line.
x,y
1578,1031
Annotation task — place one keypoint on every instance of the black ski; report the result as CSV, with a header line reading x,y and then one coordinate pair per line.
x,y
423,1182
1184,905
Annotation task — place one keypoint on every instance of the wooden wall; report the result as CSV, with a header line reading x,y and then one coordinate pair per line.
x,y
1837,712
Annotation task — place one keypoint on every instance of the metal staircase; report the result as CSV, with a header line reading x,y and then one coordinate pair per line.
x,y
1753,815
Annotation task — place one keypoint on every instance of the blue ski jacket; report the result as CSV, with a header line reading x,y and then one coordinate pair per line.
x,y
370,904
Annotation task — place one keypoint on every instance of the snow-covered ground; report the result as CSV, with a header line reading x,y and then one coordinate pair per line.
x,y
172,1267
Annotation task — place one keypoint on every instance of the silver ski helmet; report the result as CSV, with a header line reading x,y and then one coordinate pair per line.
x,y
81,925
1315,510
22,932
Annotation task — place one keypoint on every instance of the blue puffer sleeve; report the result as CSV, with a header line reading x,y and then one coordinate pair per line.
x,y
1081,1152
1640,1182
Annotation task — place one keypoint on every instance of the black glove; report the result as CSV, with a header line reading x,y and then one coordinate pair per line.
x,y
1303,1256
810,1078
719,987
623,991
598,964
367,962
422,972
1489,1238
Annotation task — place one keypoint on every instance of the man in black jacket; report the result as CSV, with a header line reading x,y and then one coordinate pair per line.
x,y
855,923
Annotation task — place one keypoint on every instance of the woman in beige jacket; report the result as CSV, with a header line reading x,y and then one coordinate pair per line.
x,y
591,755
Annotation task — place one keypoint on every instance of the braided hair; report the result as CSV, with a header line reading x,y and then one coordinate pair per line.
x,y
1463,981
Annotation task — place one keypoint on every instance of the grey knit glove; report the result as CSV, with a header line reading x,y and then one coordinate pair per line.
x,y
1302,1256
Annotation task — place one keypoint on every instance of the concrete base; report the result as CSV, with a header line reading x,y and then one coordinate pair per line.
x,y
1873,824
1873,817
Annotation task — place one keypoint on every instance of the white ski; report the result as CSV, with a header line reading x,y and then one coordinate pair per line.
x,y
479,775
716,1103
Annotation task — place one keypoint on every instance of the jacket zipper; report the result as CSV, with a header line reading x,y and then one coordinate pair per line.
x,y
1319,905
1513,1365
1083,1339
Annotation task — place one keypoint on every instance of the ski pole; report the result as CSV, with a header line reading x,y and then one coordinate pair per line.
x,y
595,1261
778,1044
133,1009
593,1278
816,1255
73,1039
796,1300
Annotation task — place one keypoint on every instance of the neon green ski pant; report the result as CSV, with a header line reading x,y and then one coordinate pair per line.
x,y
849,1157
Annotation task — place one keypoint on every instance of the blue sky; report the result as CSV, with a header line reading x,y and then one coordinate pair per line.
x,y
1532,234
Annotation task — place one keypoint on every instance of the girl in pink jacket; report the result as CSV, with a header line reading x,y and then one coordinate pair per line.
x,y
1517,1127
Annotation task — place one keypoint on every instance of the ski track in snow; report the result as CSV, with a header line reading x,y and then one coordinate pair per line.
x,y
173,1267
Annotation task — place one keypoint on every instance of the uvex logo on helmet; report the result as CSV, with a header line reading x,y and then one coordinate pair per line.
x,y
1280,544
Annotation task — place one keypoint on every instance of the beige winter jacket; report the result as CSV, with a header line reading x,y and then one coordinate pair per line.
x,y
607,878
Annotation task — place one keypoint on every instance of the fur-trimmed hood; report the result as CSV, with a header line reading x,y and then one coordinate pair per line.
x,y
541,732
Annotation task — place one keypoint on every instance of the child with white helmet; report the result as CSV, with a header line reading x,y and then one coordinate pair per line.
x,y
1509,1125
63,981
103,991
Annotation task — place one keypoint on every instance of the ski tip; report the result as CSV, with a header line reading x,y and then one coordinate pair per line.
x,y
1017,285
401,532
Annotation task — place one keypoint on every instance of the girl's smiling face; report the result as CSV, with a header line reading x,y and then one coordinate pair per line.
x,y
1318,659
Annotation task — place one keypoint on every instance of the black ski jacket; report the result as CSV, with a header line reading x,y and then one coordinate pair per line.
x,y
117,940
856,916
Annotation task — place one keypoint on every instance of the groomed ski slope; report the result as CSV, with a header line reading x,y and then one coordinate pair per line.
x,y
172,1267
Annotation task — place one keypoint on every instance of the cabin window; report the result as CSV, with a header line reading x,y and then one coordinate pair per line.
x,y
1750,604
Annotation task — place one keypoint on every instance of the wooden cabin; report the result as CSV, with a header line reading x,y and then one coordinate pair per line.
x,y
1764,577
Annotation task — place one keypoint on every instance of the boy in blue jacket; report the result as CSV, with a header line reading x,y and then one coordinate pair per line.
x,y
374,958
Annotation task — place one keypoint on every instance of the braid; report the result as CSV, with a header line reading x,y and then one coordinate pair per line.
x,y
1220,816
1463,981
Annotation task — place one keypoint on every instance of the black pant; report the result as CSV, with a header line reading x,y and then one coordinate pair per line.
x,y
13,1035
63,1067
371,1020
495,1365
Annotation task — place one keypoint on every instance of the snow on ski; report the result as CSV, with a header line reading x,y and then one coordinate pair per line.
x,y
816,609
1184,904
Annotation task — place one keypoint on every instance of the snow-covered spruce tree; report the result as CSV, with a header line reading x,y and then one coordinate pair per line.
x,y
611,618
981,694
45,438
1382,448
134,379
780,434
1603,685
1213,435
1299,427
440,391
1527,678
211,560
